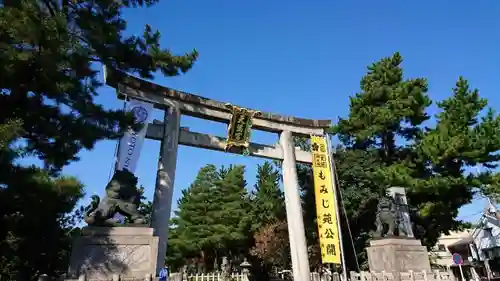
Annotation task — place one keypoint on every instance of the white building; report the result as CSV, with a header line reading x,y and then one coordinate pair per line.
x,y
440,254
485,246
487,237
481,249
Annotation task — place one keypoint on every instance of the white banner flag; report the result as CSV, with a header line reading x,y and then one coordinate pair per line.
x,y
131,142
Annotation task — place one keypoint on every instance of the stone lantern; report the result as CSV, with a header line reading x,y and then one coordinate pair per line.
x,y
245,267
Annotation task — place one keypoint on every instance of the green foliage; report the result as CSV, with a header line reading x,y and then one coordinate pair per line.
x,y
233,220
9,131
37,224
49,82
216,217
491,185
386,143
387,106
268,203
212,219
37,217
459,140
356,169
268,243
194,220
50,52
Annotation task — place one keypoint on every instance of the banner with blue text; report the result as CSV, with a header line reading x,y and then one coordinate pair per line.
x,y
131,142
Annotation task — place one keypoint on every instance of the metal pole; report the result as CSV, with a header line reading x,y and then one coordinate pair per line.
x,y
334,183
118,143
461,272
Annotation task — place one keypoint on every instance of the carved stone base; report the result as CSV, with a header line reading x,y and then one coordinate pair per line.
x,y
103,252
397,255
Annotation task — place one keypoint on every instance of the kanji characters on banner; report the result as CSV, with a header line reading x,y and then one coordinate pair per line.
x,y
326,202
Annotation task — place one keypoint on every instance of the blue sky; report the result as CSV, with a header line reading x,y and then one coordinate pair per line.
x,y
304,59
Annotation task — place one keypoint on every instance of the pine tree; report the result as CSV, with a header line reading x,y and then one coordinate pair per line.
x,y
195,231
213,218
268,203
50,50
387,106
50,53
177,250
385,143
36,224
360,195
233,218
36,213
460,139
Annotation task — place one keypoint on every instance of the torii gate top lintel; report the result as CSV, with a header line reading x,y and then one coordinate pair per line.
x,y
197,106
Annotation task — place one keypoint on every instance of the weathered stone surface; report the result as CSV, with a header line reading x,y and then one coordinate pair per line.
x,y
298,244
435,275
397,255
101,252
115,77
193,139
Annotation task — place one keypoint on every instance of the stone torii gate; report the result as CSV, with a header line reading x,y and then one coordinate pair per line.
x,y
176,103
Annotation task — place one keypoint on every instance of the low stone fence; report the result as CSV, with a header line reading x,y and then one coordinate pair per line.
x,y
209,277
434,275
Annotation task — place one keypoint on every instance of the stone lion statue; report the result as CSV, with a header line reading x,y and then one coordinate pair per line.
x,y
387,217
389,220
122,196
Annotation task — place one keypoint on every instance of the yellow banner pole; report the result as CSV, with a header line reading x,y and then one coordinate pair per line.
x,y
337,205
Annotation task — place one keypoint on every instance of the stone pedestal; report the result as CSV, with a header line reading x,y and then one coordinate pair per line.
x,y
103,252
397,255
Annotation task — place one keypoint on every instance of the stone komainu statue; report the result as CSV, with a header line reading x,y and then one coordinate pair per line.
x,y
122,196
389,218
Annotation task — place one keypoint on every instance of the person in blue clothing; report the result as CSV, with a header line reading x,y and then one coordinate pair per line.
x,y
164,273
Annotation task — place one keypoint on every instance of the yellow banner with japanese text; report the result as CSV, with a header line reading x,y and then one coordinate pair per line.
x,y
326,203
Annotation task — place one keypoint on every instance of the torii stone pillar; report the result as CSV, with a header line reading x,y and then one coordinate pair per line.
x,y
164,190
293,204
